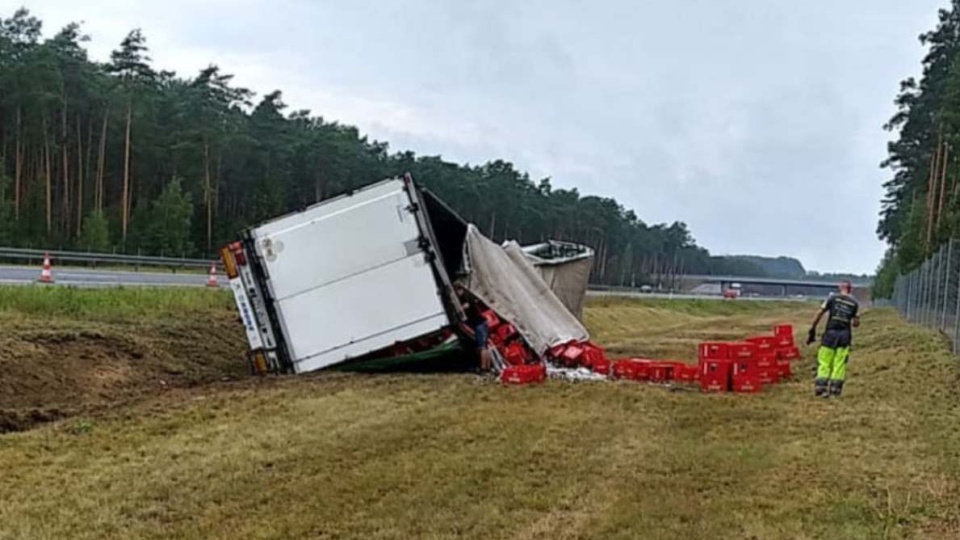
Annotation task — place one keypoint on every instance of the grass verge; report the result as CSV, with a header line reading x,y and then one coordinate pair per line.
x,y
111,304
347,456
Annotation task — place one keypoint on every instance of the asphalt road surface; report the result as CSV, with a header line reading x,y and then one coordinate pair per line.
x,y
77,277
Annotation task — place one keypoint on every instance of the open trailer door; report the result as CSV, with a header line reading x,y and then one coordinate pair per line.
x,y
342,279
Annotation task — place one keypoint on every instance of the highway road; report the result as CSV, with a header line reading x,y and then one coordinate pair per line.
x,y
81,277
77,277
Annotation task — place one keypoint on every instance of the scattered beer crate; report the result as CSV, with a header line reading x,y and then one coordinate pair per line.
x,y
527,374
715,375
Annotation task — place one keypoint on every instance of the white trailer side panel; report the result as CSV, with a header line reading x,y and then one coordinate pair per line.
x,y
348,278
390,303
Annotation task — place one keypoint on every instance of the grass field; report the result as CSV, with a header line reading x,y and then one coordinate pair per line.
x,y
350,456
111,304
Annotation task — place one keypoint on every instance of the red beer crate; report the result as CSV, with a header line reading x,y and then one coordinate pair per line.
x,y
714,351
572,355
524,374
765,367
557,350
746,383
742,350
685,372
634,369
768,375
784,371
592,354
784,341
491,318
572,352
743,367
516,354
766,360
789,353
661,372
715,375
505,331
763,343
783,330
601,366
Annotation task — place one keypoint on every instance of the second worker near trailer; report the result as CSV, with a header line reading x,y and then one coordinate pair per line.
x,y
478,326
834,352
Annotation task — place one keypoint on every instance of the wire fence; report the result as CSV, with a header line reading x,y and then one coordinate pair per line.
x,y
930,295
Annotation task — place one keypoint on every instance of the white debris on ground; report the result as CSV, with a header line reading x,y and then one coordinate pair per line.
x,y
573,374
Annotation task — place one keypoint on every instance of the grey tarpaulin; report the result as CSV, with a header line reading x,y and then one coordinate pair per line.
x,y
565,268
504,279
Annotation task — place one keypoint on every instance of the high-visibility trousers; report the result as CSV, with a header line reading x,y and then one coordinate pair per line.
x,y
832,358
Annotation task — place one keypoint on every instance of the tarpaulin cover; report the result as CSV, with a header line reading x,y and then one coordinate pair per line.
x,y
566,270
504,279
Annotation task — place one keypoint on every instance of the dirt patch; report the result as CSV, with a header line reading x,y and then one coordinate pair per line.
x,y
54,369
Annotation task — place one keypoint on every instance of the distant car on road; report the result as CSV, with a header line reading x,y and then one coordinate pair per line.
x,y
646,289
733,291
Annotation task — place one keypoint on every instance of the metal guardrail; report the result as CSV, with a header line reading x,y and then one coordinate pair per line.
x,y
19,254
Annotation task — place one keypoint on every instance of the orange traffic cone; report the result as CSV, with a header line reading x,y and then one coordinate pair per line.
x,y
212,282
46,275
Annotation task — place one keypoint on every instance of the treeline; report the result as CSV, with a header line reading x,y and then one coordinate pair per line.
x,y
123,156
921,209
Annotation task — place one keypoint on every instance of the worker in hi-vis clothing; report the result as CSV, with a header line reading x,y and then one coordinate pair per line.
x,y
843,316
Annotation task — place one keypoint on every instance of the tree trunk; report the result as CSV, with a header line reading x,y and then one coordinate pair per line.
x,y
88,160
79,178
18,168
932,187
943,183
65,164
100,164
216,180
49,179
126,176
208,194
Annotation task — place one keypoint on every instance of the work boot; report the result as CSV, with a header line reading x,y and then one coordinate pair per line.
x,y
820,388
836,388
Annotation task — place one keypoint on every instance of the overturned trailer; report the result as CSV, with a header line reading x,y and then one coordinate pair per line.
x,y
372,272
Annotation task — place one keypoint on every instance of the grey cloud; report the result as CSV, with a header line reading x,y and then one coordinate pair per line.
x,y
751,120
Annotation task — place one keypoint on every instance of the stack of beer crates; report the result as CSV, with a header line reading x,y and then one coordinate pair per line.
x,y
748,365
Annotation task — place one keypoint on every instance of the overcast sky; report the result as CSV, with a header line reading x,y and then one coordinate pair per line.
x,y
756,122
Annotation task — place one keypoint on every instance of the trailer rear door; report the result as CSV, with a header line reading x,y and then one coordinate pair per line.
x,y
350,276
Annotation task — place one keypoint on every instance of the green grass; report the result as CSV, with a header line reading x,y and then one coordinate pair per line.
x,y
383,457
109,304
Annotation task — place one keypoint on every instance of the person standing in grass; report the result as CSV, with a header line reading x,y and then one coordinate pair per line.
x,y
834,352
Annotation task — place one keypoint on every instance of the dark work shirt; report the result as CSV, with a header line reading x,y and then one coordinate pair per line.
x,y
842,310
474,315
